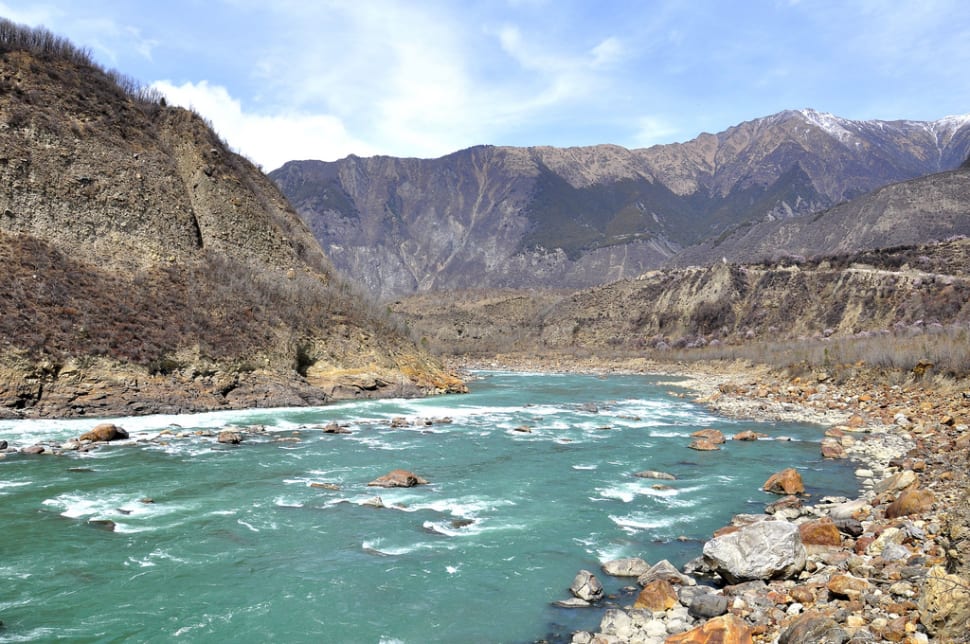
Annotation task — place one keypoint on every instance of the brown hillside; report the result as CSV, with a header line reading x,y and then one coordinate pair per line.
x,y
149,268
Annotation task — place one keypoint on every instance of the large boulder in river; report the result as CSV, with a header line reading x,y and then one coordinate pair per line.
x,y
229,437
654,474
587,587
104,432
716,436
398,478
763,550
787,481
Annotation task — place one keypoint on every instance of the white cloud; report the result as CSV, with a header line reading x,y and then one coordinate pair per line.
x,y
652,130
269,140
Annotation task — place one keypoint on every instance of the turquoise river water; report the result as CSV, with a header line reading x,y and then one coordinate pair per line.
x,y
238,546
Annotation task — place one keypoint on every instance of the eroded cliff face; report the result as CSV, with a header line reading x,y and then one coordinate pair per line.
x,y
863,293
494,217
148,268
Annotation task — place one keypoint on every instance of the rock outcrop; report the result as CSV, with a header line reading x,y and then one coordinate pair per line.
x,y
148,268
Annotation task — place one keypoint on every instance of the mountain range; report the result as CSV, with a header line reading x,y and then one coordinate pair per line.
x,y
505,217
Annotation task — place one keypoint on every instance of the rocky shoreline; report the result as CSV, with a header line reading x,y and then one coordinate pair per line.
x,y
888,566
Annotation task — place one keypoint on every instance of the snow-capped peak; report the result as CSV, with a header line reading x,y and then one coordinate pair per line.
x,y
830,123
950,124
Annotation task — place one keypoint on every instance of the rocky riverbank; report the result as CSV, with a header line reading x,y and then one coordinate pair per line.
x,y
888,566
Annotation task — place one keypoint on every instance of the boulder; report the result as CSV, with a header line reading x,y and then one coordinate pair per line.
x,y
726,629
787,481
628,567
813,627
790,502
847,586
229,437
716,436
707,605
375,502
657,596
665,570
944,606
912,500
763,550
398,478
33,449
896,482
851,527
858,509
822,532
703,445
103,433
653,474
3,445
586,586
335,428
572,602
832,448
748,435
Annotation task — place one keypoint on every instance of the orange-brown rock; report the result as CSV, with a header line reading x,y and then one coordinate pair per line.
x,y
104,432
748,435
847,586
703,445
787,481
802,595
812,626
820,533
858,421
911,501
832,448
658,595
726,629
716,436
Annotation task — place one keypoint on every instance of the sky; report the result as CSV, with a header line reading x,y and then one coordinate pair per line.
x,y
283,80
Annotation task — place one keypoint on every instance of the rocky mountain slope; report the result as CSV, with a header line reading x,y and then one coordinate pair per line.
x,y
547,217
934,207
148,268
905,290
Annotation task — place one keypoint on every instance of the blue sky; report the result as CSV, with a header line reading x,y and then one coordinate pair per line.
x,y
303,79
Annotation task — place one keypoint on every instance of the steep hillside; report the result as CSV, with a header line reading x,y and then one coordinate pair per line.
x,y
498,217
148,268
906,213
904,290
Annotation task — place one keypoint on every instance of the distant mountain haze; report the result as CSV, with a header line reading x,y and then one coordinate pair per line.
x,y
497,217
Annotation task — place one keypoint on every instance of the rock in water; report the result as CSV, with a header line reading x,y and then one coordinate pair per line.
x,y
653,474
229,437
629,567
703,445
398,478
587,587
787,481
104,432
716,436
763,550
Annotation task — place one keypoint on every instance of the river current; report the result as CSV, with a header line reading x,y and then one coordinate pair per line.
x,y
251,543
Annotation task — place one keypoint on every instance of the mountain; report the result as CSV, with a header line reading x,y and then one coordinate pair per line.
x,y
495,217
934,207
147,268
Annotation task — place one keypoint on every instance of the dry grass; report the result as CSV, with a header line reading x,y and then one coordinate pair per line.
x,y
906,351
